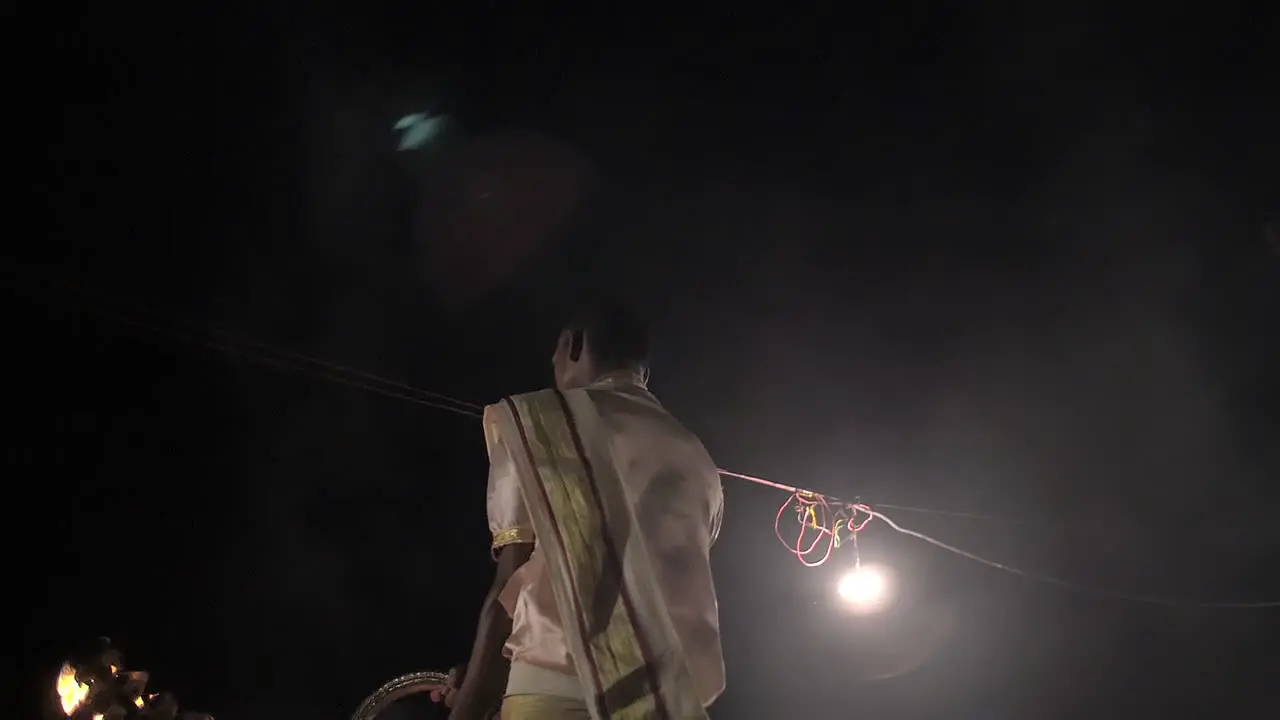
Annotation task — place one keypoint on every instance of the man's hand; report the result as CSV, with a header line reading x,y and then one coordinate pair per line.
x,y
466,706
449,693
462,704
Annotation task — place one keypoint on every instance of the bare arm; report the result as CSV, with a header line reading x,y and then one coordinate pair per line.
x,y
485,678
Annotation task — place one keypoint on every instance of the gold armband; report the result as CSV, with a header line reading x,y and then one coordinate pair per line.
x,y
511,537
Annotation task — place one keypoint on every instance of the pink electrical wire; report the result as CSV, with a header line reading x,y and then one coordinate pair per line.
x,y
825,521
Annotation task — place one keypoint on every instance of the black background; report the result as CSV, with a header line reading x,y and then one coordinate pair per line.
x,y
964,257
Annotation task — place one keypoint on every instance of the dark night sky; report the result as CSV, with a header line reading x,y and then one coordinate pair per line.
x,y
964,257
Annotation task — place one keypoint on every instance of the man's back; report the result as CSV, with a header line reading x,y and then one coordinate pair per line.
x,y
674,492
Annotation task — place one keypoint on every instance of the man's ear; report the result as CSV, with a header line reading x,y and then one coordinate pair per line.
x,y
577,342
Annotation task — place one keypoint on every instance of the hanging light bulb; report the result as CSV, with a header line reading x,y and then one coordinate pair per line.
x,y
866,588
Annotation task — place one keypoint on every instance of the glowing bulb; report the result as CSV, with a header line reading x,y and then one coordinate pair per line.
x,y
865,589
862,586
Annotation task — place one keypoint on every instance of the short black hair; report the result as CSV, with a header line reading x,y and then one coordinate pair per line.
x,y
618,334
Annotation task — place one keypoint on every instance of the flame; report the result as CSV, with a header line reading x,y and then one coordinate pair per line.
x,y
71,691
114,669
138,701
98,716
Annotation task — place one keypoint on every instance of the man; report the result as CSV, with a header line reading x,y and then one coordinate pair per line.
x,y
603,510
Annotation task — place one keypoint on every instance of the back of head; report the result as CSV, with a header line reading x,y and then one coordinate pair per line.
x,y
615,334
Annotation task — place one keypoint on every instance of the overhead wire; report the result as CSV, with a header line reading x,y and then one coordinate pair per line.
x,y
1077,587
829,516
284,359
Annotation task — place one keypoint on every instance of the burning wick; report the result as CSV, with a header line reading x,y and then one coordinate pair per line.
x,y
100,690
71,691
